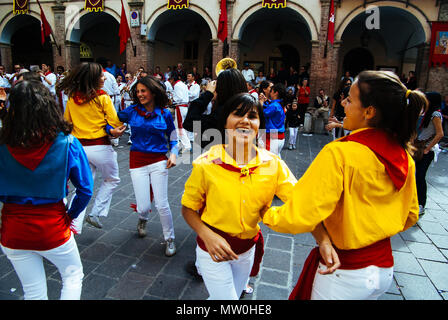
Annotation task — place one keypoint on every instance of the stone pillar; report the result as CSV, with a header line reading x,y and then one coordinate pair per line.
x,y
235,52
6,55
144,53
422,65
217,47
324,69
72,55
59,58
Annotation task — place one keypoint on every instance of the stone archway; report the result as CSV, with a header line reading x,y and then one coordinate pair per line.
x,y
394,45
180,36
97,31
276,39
21,42
357,60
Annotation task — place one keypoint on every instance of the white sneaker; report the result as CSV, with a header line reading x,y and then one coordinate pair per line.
x,y
129,142
94,221
290,147
170,249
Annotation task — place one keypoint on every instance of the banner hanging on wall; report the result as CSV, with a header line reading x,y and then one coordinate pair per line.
x,y
20,6
274,4
439,44
178,4
94,5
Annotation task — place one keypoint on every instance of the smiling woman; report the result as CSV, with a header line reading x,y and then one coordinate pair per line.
x,y
228,188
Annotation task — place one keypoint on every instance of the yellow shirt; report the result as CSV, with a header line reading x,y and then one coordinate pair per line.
x,y
233,202
348,188
90,119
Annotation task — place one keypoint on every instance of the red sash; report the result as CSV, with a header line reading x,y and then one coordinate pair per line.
x,y
280,136
95,142
140,159
240,246
179,116
35,227
378,254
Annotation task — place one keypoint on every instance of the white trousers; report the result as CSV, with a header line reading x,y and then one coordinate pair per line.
x,y
29,267
182,134
276,146
360,284
155,175
225,280
293,135
101,158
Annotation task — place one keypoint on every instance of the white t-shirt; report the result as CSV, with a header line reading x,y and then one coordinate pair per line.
x,y
52,78
193,91
248,74
180,93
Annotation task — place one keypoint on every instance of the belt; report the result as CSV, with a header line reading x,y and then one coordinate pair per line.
x,y
182,105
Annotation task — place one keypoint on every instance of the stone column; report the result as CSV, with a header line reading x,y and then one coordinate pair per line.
x,y
235,52
59,57
72,54
217,46
144,48
6,55
422,68
324,68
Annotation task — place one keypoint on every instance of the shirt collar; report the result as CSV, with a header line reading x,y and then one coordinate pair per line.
x,y
218,152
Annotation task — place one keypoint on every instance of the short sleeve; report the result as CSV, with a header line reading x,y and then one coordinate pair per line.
x,y
195,191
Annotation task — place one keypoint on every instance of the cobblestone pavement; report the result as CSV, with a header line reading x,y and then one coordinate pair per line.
x,y
119,265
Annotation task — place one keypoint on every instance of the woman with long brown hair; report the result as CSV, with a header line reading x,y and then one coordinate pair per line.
x,y
92,113
361,188
38,155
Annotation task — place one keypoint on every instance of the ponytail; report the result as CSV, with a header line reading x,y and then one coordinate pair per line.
x,y
397,107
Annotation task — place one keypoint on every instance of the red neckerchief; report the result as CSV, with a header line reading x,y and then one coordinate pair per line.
x,y
243,171
80,98
146,114
30,157
252,91
189,85
47,73
388,151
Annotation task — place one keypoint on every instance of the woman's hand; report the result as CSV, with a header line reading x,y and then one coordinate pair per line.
x,y
331,125
118,131
2,94
171,161
262,98
330,257
211,86
217,247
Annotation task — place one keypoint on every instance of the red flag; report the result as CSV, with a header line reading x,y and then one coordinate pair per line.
x,y
124,33
330,34
222,24
45,29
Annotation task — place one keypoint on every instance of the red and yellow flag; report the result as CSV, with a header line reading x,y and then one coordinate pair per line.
x,y
20,6
274,4
94,5
178,4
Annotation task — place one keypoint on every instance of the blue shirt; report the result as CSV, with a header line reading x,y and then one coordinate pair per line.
x,y
151,132
274,116
78,171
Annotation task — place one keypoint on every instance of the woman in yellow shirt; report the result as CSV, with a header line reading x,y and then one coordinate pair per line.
x,y
93,115
228,188
362,187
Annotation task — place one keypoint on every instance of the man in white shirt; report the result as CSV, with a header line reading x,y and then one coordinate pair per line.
x,y
111,88
251,89
4,81
14,76
194,90
248,73
48,78
180,101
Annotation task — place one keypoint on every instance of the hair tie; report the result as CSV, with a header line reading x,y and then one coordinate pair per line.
x,y
408,93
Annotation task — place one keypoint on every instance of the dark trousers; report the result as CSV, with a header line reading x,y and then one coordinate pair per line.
x,y
421,167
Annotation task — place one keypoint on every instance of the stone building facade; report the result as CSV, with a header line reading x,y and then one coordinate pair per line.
x,y
369,34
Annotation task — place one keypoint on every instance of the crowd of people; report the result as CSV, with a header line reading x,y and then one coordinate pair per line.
x,y
67,124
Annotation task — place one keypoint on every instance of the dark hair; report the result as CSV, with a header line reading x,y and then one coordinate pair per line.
x,y
175,75
84,79
434,104
265,84
280,89
396,114
33,117
29,75
241,104
156,88
229,83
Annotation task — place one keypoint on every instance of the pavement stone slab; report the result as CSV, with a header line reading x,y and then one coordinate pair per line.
x,y
426,251
415,287
437,272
